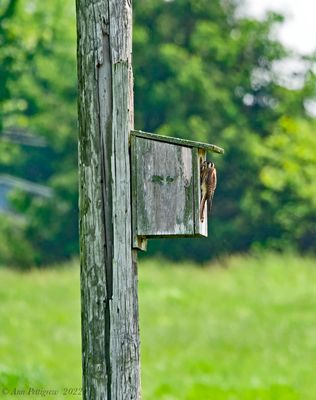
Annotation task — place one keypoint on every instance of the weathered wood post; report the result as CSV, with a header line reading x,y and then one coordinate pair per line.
x,y
110,332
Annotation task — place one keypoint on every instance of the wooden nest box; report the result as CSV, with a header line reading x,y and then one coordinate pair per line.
x,y
166,190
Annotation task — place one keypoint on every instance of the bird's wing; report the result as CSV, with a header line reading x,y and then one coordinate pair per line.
x,y
211,183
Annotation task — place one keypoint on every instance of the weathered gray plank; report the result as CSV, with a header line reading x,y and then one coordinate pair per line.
x,y
164,194
200,227
139,242
110,337
124,335
92,229
178,141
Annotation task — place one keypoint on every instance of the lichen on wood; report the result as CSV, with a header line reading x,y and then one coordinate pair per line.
x,y
110,332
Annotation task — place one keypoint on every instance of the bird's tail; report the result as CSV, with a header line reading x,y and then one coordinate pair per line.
x,y
209,204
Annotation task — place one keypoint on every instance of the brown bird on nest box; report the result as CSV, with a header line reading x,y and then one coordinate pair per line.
x,y
208,185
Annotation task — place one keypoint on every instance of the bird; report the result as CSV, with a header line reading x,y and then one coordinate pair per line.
x,y
208,185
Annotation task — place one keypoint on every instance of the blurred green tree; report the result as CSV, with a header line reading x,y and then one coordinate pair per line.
x,y
284,196
9,47
205,72
11,56
202,71
41,99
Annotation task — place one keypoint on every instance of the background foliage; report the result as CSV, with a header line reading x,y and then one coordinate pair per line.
x,y
202,71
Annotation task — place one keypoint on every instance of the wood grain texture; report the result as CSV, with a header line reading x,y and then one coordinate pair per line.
x,y
139,242
110,332
163,177
200,227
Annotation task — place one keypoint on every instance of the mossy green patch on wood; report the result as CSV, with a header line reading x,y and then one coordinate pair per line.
x,y
178,141
161,180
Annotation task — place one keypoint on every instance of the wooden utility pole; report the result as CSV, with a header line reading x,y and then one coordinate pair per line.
x,y
110,331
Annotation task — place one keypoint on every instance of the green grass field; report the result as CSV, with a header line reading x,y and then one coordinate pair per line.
x,y
243,329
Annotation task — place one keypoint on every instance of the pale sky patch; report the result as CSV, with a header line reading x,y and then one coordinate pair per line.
x,y
299,30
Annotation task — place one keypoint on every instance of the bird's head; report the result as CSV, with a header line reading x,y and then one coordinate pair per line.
x,y
203,165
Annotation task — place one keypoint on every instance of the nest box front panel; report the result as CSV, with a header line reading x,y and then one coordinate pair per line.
x,y
163,176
